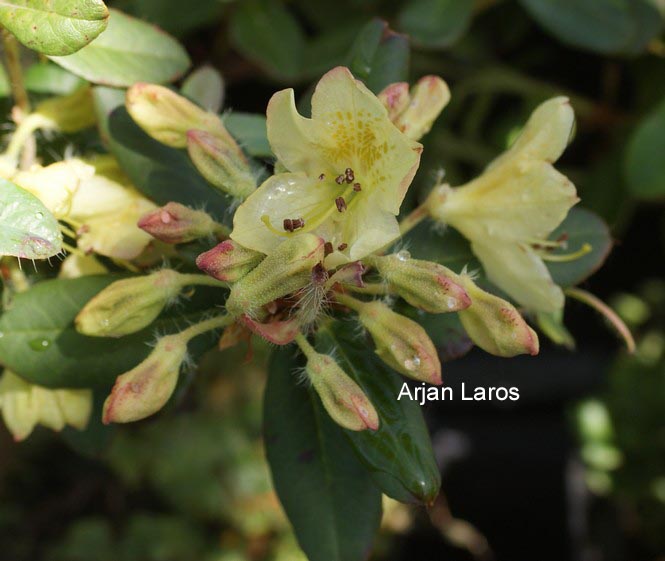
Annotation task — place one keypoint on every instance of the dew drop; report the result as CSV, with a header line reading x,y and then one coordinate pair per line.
x,y
451,303
1,334
39,215
412,363
39,344
403,255
105,322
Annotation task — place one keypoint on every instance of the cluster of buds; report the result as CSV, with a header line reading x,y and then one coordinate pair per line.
x,y
175,223
177,122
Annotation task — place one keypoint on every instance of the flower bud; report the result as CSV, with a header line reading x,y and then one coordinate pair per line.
x,y
146,388
495,325
228,261
128,305
24,405
415,112
342,398
220,164
167,116
287,269
176,223
423,284
401,343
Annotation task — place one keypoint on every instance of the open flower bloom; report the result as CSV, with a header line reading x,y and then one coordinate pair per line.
x,y
509,211
104,212
24,405
348,166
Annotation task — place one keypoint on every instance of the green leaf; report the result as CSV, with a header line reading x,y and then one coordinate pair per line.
x,y
581,227
5,87
436,23
644,162
605,26
379,56
162,173
38,340
399,454
48,78
27,229
250,131
205,86
56,27
329,497
268,34
129,51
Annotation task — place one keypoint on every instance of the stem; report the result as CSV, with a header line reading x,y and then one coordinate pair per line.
x,y
13,63
221,230
376,289
609,314
211,324
349,302
23,134
304,345
201,280
413,219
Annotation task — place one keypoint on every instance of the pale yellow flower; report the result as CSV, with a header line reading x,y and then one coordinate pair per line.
x,y
348,166
510,210
24,405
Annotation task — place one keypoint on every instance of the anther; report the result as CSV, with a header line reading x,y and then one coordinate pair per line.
x,y
327,249
341,204
340,179
288,225
350,176
342,246
298,223
356,187
322,177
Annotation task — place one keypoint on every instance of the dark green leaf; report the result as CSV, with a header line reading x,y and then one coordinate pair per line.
x,y
606,26
175,16
379,56
205,86
250,131
57,27
267,33
581,227
436,23
129,51
40,343
399,454
326,492
644,164
162,173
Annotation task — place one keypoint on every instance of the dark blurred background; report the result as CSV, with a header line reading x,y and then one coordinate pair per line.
x,y
575,470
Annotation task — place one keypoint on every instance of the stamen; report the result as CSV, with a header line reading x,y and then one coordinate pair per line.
x,y
327,249
581,252
340,179
342,246
350,176
298,223
288,225
322,177
341,204
357,188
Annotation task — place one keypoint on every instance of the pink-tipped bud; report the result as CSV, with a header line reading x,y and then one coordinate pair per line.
x,y
423,284
495,325
401,343
414,112
286,270
176,223
342,398
145,389
228,261
129,305
220,164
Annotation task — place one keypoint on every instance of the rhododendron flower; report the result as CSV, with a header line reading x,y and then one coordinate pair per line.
x,y
349,168
509,211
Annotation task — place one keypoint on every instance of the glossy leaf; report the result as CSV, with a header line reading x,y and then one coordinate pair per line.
x,y
399,454
268,34
48,78
40,343
436,23
379,56
250,131
129,51
205,86
644,164
329,497
162,173
27,229
57,27
581,227
606,26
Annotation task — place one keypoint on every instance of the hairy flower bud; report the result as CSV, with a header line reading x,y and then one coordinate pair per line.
x,y
176,223
284,271
128,305
342,398
495,325
167,116
401,343
228,261
146,388
415,112
423,284
220,164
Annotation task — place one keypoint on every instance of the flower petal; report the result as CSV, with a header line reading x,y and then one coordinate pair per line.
x,y
286,195
517,270
367,229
